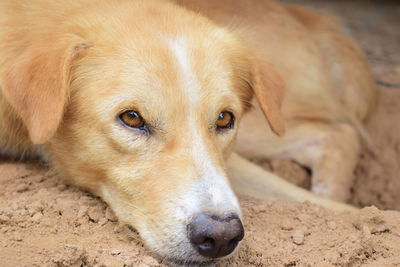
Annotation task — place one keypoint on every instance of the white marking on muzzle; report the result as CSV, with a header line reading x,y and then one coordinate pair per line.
x,y
212,193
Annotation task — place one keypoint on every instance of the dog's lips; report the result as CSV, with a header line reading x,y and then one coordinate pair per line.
x,y
199,261
186,262
195,260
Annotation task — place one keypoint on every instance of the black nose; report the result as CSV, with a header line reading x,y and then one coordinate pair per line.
x,y
213,236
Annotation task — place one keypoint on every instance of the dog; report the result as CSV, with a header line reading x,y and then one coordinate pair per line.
x,y
140,102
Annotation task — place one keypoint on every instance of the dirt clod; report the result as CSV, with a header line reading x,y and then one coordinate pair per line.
x,y
298,237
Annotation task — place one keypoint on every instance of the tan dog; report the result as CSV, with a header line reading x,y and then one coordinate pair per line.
x,y
140,101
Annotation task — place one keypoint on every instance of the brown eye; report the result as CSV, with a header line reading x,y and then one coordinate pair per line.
x,y
225,120
132,119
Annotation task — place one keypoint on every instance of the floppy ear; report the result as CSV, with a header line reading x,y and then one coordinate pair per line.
x,y
269,89
36,83
261,80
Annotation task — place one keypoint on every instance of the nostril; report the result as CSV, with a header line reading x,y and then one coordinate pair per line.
x,y
207,244
234,242
213,236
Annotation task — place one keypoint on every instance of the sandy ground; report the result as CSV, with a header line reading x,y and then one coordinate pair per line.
x,y
44,222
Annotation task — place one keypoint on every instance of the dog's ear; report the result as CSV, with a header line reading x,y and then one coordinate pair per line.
x,y
269,89
263,81
37,81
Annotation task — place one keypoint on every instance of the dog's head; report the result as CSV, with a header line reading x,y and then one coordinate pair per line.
x,y
145,113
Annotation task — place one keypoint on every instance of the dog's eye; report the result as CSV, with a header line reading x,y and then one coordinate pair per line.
x,y
132,119
225,120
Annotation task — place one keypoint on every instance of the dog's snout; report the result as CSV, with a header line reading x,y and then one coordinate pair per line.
x,y
215,237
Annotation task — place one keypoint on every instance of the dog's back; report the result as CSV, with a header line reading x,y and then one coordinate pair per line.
x,y
345,63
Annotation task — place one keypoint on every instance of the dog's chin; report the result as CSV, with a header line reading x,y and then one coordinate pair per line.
x,y
191,261
183,259
186,262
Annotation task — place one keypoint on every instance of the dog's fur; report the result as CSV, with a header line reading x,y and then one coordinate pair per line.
x,y
68,68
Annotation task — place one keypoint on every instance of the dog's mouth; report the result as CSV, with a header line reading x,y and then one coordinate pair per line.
x,y
170,261
186,262
190,261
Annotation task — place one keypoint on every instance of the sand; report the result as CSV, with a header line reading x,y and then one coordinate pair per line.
x,y
47,223
44,222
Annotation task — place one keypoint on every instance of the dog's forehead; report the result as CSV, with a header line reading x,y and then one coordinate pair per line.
x,y
163,70
177,69
200,69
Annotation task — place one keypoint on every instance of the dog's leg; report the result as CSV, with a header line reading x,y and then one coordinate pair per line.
x,y
330,150
249,179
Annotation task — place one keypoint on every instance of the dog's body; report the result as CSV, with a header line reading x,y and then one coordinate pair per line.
x,y
70,72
